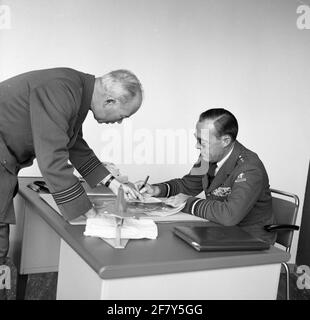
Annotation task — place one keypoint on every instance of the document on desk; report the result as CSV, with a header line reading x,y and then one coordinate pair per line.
x,y
154,207
178,217
104,226
171,215
156,210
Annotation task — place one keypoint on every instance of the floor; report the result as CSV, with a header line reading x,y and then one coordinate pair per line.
x,y
43,287
295,292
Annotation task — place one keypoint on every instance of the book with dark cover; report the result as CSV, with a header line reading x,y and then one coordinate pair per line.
x,y
219,238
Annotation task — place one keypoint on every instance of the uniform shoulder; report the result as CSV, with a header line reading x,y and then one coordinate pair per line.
x,y
46,77
248,159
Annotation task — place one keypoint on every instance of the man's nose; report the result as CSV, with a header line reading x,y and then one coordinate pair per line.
x,y
198,146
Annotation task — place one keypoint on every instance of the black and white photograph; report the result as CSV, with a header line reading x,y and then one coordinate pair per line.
x,y
155,154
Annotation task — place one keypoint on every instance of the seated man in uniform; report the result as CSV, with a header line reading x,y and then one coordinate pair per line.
x,y
232,177
41,116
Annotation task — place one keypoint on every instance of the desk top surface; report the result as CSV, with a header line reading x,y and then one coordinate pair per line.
x,y
166,254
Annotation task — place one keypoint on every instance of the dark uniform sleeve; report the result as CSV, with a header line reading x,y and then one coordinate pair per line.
x,y
190,184
246,189
52,106
86,162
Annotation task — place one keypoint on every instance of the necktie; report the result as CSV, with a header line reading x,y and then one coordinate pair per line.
x,y
211,172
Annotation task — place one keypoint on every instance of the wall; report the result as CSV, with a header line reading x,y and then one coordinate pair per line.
x,y
190,55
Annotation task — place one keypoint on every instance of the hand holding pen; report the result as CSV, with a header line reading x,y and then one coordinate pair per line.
x,y
144,183
145,188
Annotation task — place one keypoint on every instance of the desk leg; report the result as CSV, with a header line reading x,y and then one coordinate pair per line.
x,y
34,245
76,280
21,286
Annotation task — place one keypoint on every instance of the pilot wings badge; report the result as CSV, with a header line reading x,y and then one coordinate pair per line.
x,y
221,191
241,177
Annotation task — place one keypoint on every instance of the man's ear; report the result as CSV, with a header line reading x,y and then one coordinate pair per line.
x,y
226,140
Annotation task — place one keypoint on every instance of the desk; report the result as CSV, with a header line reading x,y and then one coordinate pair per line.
x,y
165,268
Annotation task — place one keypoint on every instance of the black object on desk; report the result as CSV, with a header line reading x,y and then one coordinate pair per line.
x,y
42,185
38,186
98,191
221,238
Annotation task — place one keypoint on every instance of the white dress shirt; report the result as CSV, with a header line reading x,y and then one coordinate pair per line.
x,y
219,165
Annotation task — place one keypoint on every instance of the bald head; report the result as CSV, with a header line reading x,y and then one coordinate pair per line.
x,y
117,95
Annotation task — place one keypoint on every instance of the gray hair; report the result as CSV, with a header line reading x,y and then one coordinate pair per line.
x,y
128,81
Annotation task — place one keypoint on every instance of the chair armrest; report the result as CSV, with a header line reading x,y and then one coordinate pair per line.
x,y
277,227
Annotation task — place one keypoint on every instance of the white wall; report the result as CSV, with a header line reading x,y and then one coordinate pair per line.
x,y
190,55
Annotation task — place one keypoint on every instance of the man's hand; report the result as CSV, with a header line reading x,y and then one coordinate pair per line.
x,y
130,191
177,200
147,189
91,213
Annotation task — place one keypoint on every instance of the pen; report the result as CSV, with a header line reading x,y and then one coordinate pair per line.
x,y
144,183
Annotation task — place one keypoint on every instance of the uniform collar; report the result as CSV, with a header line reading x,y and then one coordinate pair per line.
x,y
88,89
227,166
220,163
87,94
230,163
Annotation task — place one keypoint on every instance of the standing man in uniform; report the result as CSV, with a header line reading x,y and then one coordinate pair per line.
x,y
233,178
41,116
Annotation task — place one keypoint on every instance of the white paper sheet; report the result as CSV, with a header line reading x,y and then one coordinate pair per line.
x,y
175,217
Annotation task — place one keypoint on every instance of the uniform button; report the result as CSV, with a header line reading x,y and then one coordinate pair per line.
x,y
4,161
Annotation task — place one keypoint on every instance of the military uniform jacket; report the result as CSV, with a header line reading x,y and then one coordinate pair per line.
x,y
41,115
238,195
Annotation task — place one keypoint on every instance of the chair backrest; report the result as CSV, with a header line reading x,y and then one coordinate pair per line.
x,y
285,209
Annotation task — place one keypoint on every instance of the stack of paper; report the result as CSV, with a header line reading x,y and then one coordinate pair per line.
x,y
104,226
154,207
165,212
